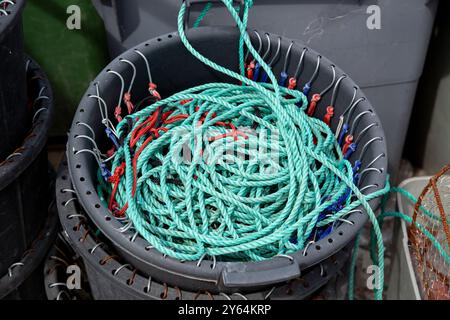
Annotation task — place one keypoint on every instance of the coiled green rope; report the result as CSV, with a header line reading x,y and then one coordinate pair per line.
x,y
240,210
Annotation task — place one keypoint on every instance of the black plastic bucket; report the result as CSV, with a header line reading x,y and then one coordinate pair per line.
x,y
23,279
175,69
23,177
111,278
15,115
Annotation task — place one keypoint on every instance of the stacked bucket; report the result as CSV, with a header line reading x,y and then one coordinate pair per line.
x,y
118,261
28,220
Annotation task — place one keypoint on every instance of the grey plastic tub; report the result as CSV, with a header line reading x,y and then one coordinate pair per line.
x,y
386,63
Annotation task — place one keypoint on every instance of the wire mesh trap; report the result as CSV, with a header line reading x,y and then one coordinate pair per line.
x,y
110,277
334,98
432,212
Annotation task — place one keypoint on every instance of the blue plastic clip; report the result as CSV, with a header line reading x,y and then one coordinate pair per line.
x,y
256,72
356,178
343,133
306,89
283,79
351,149
106,174
111,136
264,77
356,167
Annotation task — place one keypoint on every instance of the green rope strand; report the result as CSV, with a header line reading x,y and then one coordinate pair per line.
x,y
353,263
202,15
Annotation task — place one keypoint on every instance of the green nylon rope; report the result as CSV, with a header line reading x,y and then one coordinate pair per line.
x,y
203,13
236,210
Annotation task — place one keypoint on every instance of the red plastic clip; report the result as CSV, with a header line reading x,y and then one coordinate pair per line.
x,y
128,103
251,70
313,104
111,152
152,89
348,142
329,115
117,113
292,84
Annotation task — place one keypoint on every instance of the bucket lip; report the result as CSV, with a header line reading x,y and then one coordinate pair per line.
x,y
36,253
36,139
135,250
9,22
71,216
